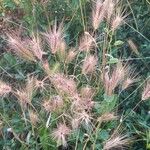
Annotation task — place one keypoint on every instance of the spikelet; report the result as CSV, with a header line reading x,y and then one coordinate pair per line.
x,y
71,55
84,118
20,47
33,117
25,95
76,103
87,104
98,13
89,64
40,84
75,123
64,84
60,134
29,48
86,43
54,104
46,67
4,88
81,103
109,10
117,20
23,98
87,92
47,105
117,142
130,79
55,39
113,80
128,82
36,47
107,117
133,47
146,91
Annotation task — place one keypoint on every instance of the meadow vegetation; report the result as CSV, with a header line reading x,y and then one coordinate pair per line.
x,y
74,75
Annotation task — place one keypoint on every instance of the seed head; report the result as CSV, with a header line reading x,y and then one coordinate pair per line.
x,y
89,64
107,117
60,134
81,103
75,123
133,47
117,142
36,47
23,98
87,92
21,47
54,104
40,84
98,13
71,55
87,42
64,84
87,104
128,82
118,20
109,10
46,67
57,102
112,80
4,88
33,117
146,91
84,118
25,95
55,39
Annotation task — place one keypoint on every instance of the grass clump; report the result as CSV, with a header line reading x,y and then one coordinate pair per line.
x,y
70,97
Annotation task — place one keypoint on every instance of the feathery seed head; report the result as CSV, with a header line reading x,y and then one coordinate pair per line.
x,y
33,117
86,43
133,46
60,134
75,123
54,104
55,39
4,88
46,67
146,91
84,118
107,117
57,102
118,20
23,98
112,80
128,82
36,47
25,95
39,84
109,11
64,85
89,64
117,142
47,105
81,103
87,104
21,47
98,13
71,55
87,92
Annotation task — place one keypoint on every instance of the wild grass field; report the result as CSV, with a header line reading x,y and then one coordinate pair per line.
x,y
74,74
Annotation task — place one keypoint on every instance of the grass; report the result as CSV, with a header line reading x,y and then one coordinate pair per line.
x,y
67,87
